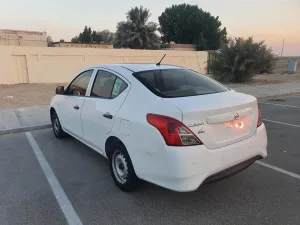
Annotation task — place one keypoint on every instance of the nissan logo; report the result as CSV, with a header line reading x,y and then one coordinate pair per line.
x,y
237,116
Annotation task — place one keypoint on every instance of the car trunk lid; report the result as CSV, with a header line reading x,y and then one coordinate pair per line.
x,y
218,119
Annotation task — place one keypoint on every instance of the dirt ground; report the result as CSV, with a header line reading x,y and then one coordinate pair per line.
x,y
23,95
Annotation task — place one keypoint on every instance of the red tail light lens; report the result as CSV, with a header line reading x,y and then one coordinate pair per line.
x,y
173,131
259,121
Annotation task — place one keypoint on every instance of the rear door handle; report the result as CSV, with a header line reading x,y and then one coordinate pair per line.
x,y
108,116
76,107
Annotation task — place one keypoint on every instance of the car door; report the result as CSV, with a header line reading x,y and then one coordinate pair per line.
x,y
72,101
108,92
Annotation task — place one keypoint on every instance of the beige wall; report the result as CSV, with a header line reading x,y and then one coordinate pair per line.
x,y
60,65
183,47
180,47
79,45
23,38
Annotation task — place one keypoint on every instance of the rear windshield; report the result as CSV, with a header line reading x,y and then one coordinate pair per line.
x,y
172,83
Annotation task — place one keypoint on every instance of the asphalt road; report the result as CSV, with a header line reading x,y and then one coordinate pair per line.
x,y
80,190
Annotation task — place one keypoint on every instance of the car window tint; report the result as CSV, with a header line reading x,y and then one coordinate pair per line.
x,y
103,84
150,79
170,83
79,86
118,87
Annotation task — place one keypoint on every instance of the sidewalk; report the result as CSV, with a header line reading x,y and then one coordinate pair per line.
x,y
37,117
24,119
262,91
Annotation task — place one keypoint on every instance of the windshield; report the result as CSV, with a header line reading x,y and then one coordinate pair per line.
x,y
171,83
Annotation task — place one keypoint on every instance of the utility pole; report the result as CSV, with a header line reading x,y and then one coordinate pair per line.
x,y
282,71
282,47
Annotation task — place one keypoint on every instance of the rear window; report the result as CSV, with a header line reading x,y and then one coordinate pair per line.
x,y
172,83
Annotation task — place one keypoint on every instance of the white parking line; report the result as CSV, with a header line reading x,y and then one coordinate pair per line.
x,y
278,169
291,106
287,124
60,195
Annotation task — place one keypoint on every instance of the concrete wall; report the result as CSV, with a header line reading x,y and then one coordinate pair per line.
x,y
179,47
183,47
60,65
79,45
23,38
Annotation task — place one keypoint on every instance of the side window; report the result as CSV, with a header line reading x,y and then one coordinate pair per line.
x,y
103,84
107,85
79,85
118,88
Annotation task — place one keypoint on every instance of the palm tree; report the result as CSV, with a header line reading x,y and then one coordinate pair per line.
x,y
137,32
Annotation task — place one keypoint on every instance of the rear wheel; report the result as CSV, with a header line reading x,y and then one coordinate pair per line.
x,y
57,130
121,168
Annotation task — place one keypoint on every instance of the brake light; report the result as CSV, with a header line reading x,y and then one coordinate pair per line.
x,y
259,121
173,131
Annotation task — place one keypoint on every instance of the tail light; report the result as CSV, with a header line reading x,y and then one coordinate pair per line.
x,y
259,121
173,131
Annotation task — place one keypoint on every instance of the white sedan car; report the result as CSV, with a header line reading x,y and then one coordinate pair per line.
x,y
163,124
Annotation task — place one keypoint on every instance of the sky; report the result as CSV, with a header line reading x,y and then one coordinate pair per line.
x,y
269,20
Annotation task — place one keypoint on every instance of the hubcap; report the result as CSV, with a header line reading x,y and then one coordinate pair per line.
x,y
56,125
120,167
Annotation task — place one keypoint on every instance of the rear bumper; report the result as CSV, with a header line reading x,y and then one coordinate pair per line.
x,y
186,168
231,171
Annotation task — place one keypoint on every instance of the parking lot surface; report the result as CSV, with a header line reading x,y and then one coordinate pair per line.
x,y
49,181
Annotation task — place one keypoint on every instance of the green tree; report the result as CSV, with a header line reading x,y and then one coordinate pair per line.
x,y
75,39
187,24
240,60
137,32
106,37
84,37
96,39
88,36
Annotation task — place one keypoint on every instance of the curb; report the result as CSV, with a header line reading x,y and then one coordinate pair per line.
x,y
277,95
25,129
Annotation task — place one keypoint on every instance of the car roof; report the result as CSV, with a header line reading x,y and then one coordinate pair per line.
x,y
137,67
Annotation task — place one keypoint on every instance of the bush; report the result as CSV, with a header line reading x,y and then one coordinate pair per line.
x,y
240,60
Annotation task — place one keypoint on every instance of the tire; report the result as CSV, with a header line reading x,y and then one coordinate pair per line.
x,y
121,168
57,130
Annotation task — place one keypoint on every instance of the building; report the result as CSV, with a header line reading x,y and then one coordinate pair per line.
x,y
63,44
179,47
282,64
23,38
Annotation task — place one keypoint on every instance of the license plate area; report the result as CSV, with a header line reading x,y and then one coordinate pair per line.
x,y
229,131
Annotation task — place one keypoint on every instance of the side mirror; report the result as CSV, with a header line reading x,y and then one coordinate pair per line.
x,y
60,90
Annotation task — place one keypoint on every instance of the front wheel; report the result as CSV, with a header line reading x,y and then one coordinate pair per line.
x,y
121,168
57,130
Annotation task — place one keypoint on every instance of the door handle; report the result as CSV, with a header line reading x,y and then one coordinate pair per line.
x,y
107,115
76,107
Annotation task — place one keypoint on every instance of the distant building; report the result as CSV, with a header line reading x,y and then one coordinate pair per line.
x,y
23,38
63,44
178,47
283,64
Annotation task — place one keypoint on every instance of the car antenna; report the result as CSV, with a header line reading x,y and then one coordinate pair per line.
x,y
158,64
